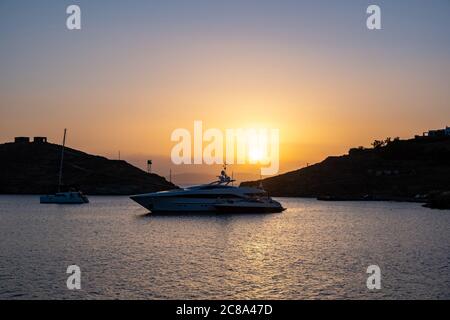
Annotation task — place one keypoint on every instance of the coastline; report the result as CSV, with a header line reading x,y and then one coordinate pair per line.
x,y
427,203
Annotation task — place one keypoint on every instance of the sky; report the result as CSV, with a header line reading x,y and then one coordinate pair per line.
x,y
137,70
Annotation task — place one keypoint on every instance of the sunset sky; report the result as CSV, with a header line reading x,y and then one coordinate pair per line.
x,y
137,70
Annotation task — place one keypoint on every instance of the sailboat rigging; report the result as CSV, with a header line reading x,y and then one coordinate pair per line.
x,y
70,197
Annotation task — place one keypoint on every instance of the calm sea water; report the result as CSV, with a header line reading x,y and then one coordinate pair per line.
x,y
314,250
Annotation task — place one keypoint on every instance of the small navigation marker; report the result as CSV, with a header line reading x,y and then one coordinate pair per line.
x,y
149,166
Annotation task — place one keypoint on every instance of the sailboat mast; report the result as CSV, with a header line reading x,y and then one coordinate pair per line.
x,y
61,163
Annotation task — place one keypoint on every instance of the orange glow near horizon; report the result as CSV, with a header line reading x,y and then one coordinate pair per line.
x,y
127,86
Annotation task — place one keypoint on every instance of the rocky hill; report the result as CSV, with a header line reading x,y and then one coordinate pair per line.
x,y
399,170
32,168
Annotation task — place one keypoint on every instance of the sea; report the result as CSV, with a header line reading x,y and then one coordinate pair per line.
x,y
313,250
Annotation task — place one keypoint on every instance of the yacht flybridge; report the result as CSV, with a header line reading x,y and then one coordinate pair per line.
x,y
216,197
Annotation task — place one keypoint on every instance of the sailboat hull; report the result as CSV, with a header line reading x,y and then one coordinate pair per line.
x,y
65,198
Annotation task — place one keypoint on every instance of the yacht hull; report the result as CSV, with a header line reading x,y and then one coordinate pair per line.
x,y
158,205
185,205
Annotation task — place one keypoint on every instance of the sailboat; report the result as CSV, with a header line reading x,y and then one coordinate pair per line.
x,y
70,197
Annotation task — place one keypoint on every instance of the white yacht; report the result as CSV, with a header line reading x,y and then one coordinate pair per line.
x,y
216,197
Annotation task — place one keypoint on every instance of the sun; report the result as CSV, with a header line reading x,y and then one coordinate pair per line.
x,y
255,153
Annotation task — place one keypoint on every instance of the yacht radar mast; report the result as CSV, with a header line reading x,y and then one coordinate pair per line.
x,y
224,178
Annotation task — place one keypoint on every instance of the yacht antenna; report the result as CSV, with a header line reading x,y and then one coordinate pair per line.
x,y
62,160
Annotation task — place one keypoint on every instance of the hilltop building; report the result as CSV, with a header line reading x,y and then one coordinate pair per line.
x,y
21,139
436,133
27,140
40,139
